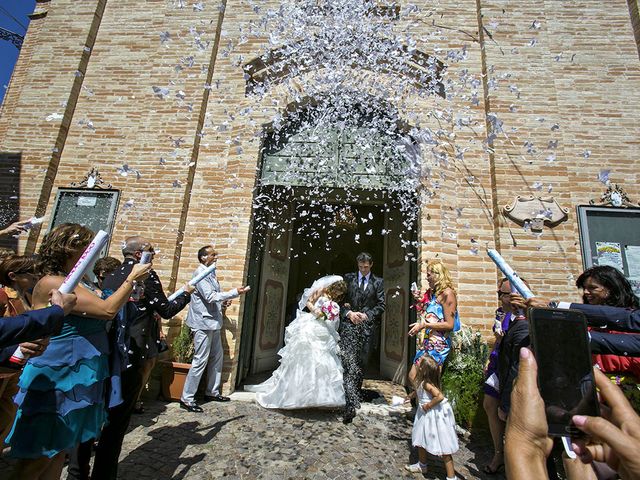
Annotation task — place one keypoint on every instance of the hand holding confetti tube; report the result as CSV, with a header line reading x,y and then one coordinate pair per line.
x,y
510,274
195,280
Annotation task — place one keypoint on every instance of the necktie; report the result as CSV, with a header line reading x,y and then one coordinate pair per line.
x,y
362,280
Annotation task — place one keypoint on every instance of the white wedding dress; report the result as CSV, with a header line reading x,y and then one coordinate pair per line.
x,y
310,371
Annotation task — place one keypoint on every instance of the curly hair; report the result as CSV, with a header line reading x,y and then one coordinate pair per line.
x,y
59,245
336,290
17,264
620,291
444,277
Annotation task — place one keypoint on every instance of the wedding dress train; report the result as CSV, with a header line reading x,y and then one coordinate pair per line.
x,y
310,371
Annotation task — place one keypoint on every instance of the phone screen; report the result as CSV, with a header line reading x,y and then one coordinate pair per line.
x,y
565,374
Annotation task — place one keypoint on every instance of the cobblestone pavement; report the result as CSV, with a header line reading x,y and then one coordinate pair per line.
x,y
240,440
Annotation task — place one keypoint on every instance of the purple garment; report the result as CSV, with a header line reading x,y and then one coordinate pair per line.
x,y
493,356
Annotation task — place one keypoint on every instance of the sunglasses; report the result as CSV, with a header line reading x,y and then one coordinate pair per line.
x,y
25,272
501,293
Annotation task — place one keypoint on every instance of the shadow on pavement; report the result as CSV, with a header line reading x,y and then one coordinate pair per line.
x,y
481,447
168,443
152,410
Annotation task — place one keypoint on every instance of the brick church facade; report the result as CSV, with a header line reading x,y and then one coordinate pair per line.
x,y
149,94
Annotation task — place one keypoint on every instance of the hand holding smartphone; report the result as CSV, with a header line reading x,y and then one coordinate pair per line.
x,y
560,342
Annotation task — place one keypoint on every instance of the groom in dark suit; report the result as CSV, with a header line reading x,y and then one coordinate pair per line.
x,y
362,310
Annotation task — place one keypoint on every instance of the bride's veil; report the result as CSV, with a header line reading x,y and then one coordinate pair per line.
x,y
317,285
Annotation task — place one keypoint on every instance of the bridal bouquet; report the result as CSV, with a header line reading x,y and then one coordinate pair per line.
x,y
330,310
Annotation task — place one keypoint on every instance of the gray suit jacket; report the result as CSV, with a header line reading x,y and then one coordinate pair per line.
x,y
205,310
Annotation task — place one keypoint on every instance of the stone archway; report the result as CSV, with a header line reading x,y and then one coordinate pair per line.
x,y
275,66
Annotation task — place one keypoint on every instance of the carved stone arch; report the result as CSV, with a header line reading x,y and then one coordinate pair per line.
x,y
366,143
424,70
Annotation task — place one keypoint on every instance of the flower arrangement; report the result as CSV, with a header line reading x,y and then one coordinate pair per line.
x,y
330,310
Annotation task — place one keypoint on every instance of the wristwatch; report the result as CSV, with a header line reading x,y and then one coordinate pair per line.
x,y
553,304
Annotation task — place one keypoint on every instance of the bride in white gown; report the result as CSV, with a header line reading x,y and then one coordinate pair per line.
x,y
310,371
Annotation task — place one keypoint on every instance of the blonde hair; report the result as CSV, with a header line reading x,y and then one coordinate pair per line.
x,y
445,281
428,371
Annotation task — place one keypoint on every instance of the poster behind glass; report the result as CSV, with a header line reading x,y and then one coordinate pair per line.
x,y
611,236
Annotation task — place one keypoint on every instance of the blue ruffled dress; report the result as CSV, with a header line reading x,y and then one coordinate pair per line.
x,y
63,393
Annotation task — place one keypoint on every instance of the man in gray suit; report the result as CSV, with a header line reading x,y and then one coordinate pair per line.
x,y
205,320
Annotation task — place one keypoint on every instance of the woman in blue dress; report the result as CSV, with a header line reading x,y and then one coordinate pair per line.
x,y
62,397
438,316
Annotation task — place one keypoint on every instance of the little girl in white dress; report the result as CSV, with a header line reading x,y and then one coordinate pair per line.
x,y
434,424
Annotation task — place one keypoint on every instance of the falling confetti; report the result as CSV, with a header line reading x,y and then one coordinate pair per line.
x,y
160,92
603,176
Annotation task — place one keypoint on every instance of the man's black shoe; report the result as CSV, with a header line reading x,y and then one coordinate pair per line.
x,y
139,408
216,398
194,407
369,395
348,417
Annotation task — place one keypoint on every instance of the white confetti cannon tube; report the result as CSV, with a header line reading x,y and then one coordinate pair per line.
x,y
195,280
510,274
85,262
89,256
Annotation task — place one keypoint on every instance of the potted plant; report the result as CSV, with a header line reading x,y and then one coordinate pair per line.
x,y
174,371
463,376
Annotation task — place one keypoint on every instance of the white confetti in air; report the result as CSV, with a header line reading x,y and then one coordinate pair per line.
x,y
53,116
376,74
603,176
160,92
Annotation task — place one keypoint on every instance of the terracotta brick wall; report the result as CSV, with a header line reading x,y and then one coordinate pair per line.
x,y
554,72
575,72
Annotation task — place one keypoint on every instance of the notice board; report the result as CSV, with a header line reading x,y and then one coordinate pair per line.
x,y
93,208
611,236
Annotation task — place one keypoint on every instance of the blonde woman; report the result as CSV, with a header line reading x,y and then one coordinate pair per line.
x,y
438,317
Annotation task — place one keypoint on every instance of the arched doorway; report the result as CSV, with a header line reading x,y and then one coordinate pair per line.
x,y
326,192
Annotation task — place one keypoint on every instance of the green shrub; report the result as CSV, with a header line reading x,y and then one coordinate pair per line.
x,y
463,374
182,347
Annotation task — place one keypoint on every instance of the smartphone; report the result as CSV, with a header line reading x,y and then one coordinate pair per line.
x,y
560,343
146,257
